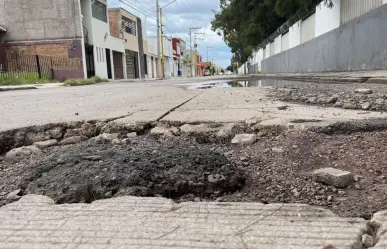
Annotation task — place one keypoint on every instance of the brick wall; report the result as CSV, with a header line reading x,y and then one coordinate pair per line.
x,y
114,21
57,48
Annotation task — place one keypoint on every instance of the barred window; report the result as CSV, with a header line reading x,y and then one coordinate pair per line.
x,y
129,25
99,10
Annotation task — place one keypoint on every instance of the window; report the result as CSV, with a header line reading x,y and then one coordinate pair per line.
x,y
103,55
97,52
129,25
98,10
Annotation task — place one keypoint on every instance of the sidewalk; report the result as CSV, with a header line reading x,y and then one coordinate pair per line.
x,y
370,76
29,86
132,222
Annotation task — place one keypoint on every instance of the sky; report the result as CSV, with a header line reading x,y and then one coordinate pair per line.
x,y
178,17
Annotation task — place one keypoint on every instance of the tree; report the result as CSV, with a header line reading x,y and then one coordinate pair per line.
x,y
244,24
230,68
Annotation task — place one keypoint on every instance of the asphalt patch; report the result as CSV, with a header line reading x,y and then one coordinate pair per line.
x,y
96,170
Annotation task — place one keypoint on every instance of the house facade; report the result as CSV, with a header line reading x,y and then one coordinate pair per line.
x,y
53,32
71,36
104,53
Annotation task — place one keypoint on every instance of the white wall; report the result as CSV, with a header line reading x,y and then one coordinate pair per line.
x,y
308,29
259,59
327,19
277,45
285,42
267,55
295,35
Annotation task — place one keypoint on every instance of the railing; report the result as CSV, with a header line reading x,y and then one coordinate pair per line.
x,y
19,68
85,35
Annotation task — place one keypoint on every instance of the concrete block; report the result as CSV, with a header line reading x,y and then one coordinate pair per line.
x,y
335,177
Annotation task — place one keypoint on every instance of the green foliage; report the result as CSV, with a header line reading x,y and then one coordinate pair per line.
x,y
244,24
83,82
22,78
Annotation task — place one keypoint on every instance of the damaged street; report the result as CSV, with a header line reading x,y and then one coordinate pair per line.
x,y
240,155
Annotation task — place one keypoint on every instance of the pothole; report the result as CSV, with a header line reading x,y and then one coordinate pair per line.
x,y
96,170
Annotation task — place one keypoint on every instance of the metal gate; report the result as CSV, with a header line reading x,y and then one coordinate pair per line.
x,y
118,67
89,52
131,64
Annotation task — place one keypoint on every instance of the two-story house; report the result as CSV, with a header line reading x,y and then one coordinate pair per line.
x,y
71,32
129,27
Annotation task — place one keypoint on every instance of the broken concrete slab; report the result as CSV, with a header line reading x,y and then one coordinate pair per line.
x,y
107,136
161,223
244,139
45,144
363,91
71,140
335,177
162,131
380,238
21,152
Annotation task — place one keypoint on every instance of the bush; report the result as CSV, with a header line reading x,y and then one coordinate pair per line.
x,y
83,82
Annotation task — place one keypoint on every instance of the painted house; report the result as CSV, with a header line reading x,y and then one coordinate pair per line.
x,y
104,53
52,31
153,60
177,66
73,35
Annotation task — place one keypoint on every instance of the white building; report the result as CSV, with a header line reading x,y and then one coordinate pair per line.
x,y
104,54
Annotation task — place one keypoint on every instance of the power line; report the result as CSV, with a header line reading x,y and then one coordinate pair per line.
x,y
141,11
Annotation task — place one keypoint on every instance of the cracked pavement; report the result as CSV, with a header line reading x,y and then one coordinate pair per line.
x,y
130,222
134,222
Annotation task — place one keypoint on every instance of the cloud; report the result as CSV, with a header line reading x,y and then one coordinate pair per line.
x,y
178,17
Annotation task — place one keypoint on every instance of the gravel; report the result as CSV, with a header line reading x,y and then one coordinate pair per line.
x,y
347,95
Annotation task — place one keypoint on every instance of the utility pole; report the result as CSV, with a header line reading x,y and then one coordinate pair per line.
x,y
160,10
162,45
158,39
191,50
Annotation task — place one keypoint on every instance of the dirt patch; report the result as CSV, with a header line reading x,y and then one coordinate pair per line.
x,y
95,170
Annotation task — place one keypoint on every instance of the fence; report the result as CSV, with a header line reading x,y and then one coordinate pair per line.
x,y
18,68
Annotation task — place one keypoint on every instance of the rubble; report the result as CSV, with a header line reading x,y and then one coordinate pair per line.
x,y
334,177
244,139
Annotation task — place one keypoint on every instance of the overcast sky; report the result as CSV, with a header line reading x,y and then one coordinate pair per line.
x,y
178,18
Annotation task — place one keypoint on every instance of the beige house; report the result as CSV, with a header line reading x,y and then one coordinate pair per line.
x,y
128,27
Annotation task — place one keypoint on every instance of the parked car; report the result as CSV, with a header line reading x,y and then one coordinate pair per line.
x,y
229,73
207,73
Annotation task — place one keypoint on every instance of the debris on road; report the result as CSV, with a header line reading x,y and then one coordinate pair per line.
x,y
363,91
282,107
334,177
71,140
21,152
244,139
46,143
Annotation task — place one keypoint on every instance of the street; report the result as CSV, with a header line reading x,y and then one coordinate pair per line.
x,y
205,143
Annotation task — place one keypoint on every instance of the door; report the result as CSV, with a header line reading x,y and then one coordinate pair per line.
x,y
118,65
109,64
131,64
89,53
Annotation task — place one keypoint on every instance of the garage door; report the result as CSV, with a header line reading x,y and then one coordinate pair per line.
x,y
131,64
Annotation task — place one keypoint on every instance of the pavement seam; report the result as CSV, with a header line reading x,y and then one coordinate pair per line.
x,y
176,107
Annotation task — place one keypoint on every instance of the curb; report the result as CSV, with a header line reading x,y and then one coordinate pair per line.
x,y
6,89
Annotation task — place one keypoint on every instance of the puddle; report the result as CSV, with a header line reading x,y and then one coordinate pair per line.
x,y
222,84
267,83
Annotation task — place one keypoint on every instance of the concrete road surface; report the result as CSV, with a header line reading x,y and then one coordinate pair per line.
x,y
150,101
131,222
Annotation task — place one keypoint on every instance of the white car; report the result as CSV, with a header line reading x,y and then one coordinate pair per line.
x,y
229,73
